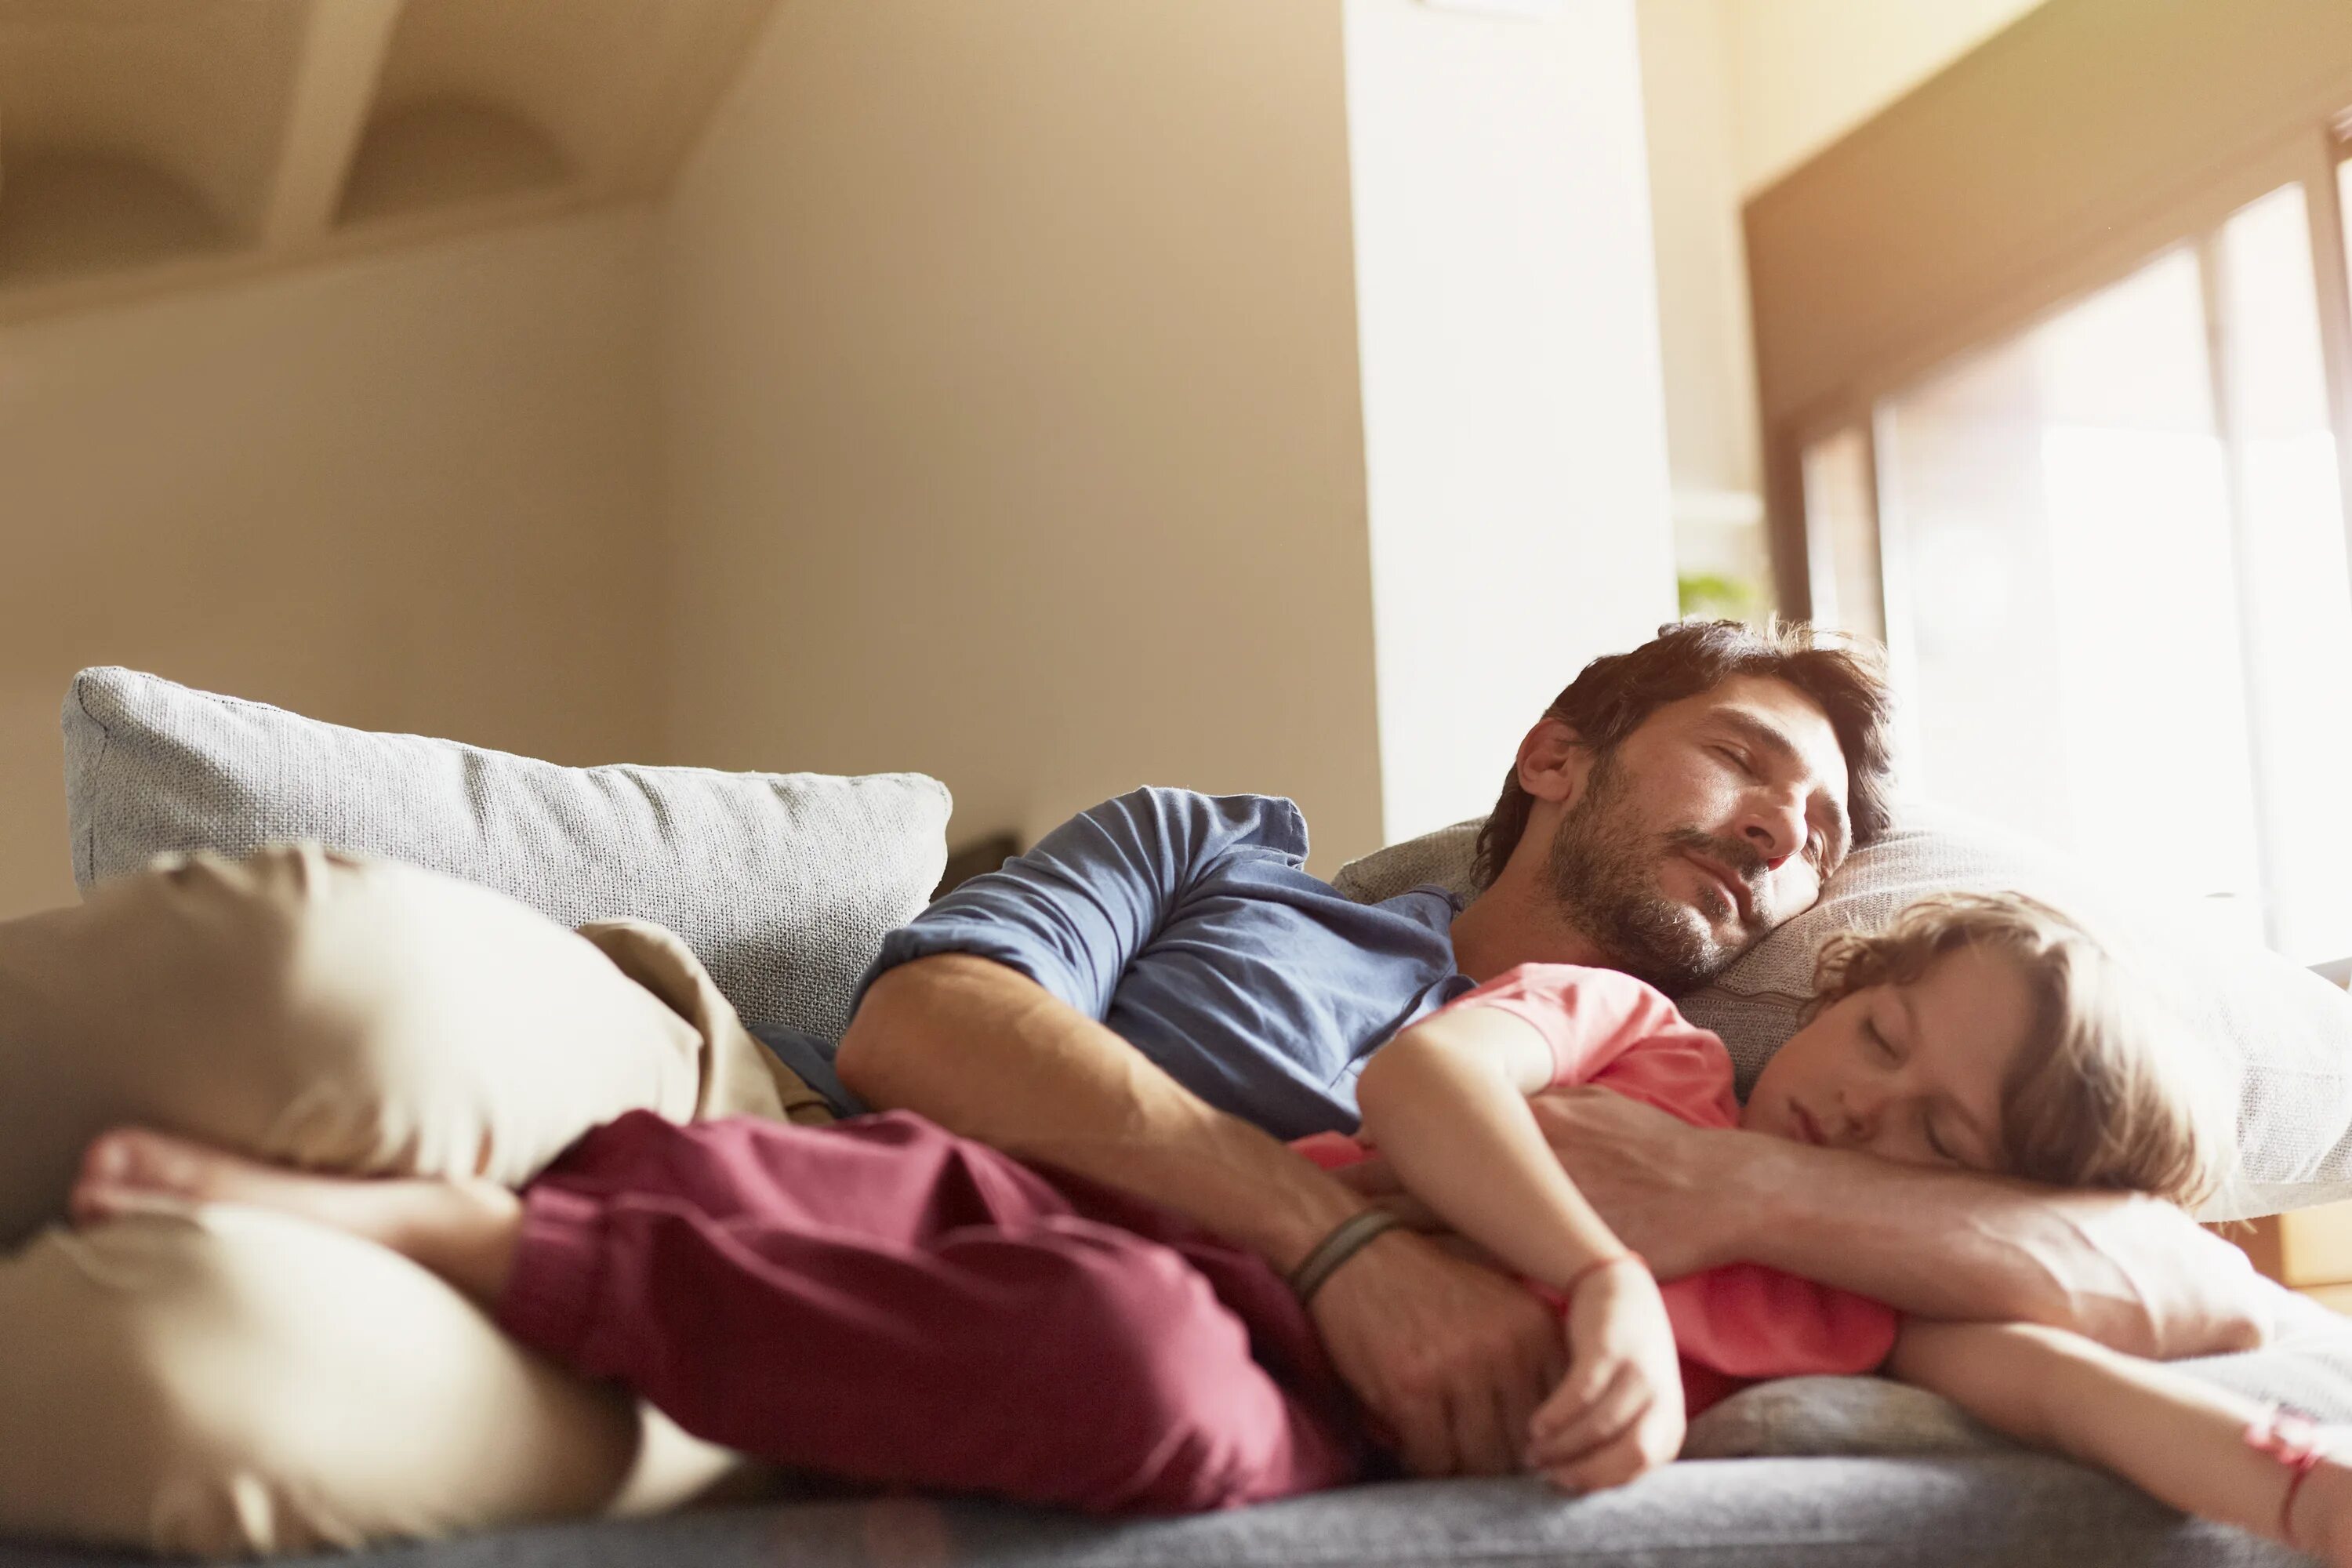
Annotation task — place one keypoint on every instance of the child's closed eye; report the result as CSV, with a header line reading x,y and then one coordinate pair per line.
x,y
1939,1147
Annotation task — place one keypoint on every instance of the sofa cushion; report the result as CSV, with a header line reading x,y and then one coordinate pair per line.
x,y
783,884
1960,1510
1791,1415
2285,1033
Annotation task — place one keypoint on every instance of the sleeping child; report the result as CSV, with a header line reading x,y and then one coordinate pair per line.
x,y
883,1301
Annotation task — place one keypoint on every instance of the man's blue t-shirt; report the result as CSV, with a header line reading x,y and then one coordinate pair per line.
x,y
1186,923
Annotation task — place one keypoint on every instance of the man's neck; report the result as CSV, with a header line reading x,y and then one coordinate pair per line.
x,y
1510,924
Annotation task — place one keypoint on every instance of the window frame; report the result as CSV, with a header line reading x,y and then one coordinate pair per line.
x,y
2314,159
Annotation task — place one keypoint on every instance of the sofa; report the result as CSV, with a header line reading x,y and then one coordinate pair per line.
x,y
785,884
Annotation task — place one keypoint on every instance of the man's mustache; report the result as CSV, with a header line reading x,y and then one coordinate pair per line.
x,y
1733,855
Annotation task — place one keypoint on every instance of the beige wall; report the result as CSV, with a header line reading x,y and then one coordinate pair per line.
x,y
985,399
1009,381
411,492
1514,432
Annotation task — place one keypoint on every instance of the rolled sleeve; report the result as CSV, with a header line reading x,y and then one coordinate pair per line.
x,y
1074,911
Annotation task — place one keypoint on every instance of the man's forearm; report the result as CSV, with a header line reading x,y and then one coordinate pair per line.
x,y
986,1052
2129,1272
1450,1357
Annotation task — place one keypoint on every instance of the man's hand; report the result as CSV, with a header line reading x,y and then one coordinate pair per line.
x,y
2133,1273
1654,1178
1451,1358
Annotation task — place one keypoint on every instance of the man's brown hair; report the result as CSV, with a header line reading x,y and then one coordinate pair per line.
x,y
2106,1093
1609,700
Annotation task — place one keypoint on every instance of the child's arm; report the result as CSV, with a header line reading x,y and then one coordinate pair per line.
x,y
1446,1102
2181,1441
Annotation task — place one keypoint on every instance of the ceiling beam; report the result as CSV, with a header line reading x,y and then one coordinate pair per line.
x,y
344,43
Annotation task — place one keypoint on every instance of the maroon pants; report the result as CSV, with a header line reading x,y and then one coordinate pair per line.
x,y
887,1303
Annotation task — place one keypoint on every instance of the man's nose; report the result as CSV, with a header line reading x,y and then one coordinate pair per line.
x,y
1775,828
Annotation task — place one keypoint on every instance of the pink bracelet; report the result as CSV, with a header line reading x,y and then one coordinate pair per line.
x,y
2293,1439
1568,1292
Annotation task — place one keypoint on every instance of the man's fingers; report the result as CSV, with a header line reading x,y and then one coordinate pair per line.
x,y
1551,1365
1521,1399
1482,1438
1646,1173
1424,1435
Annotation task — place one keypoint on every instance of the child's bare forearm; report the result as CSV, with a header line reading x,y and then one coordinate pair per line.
x,y
1459,1135
2179,1440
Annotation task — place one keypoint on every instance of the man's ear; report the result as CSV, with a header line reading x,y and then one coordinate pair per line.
x,y
1554,762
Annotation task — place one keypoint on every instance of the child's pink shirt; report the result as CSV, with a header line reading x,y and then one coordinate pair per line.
x,y
1734,1325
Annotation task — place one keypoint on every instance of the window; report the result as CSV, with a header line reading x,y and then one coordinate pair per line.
x,y
2112,545
1842,523
2294,583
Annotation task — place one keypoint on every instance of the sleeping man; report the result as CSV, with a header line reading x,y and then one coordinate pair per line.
x,y
1154,997
1156,994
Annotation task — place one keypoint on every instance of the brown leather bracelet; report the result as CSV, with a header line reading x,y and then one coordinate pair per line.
x,y
1344,1240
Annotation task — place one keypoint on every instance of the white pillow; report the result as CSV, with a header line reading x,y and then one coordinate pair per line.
x,y
783,884
2283,1032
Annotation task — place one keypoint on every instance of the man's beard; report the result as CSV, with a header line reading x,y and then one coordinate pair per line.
x,y
1603,870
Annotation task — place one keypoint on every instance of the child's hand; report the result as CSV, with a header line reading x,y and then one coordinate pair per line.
x,y
1618,1413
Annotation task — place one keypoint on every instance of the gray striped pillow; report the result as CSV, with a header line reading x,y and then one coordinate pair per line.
x,y
782,883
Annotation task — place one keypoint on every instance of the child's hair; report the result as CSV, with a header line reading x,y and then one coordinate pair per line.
x,y
2104,1095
